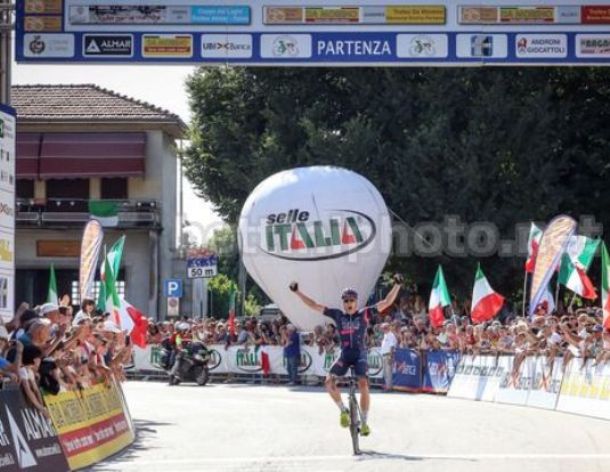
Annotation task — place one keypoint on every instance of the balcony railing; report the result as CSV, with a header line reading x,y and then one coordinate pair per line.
x,y
62,212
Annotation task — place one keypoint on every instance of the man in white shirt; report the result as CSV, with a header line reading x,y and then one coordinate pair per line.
x,y
388,346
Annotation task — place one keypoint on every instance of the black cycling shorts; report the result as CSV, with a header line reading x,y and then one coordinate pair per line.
x,y
348,358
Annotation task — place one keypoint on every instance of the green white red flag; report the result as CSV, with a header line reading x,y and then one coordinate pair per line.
x,y
439,299
486,303
575,263
533,241
232,303
605,286
52,293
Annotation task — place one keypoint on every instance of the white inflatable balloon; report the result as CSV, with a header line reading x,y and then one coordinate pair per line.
x,y
327,228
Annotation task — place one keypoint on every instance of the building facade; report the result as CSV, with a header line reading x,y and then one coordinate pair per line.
x,y
82,152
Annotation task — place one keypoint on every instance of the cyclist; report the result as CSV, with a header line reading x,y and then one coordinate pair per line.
x,y
351,324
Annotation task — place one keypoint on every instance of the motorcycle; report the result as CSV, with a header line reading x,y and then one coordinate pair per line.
x,y
190,365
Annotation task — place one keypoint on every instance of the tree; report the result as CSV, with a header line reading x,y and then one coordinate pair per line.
x,y
495,145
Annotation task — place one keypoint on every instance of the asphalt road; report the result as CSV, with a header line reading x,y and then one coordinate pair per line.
x,y
265,428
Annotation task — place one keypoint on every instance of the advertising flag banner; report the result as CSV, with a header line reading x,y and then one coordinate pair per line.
x,y
552,245
89,253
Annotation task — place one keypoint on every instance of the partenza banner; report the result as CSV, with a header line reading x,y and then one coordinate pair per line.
x,y
92,425
302,32
28,440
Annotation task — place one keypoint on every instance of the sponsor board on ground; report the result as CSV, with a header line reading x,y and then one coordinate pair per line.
x,y
167,45
422,46
286,46
48,45
541,46
219,46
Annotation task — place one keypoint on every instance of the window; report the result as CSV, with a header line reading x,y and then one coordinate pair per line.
x,y
25,188
75,290
68,188
114,188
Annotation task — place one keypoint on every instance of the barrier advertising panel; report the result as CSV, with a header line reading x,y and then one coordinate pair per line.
x,y
585,389
407,370
92,424
439,370
28,440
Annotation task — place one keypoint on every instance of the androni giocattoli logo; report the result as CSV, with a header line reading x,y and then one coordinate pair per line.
x,y
295,235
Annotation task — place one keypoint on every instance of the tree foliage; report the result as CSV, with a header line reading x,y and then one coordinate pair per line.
x,y
497,145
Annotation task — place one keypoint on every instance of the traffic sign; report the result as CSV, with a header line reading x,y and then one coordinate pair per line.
x,y
198,267
301,32
172,288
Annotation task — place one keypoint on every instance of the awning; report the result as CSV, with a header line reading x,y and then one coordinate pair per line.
x,y
71,155
84,155
28,150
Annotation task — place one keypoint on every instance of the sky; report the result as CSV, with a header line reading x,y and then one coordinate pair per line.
x,y
158,85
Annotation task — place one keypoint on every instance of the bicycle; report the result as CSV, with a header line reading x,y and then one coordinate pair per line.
x,y
354,413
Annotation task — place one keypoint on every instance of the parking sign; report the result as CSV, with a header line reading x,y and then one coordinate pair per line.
x,y
172,288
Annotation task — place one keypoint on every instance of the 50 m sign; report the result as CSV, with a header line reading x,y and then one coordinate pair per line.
x,y
202,267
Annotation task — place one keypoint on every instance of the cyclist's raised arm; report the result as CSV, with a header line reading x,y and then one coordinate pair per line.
x,y
390,298
308,301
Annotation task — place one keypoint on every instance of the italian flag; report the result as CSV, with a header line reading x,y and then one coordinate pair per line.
x,y
105,211
52,293
533,241
118,312
485,302
439,298
574,265
114,259
606,286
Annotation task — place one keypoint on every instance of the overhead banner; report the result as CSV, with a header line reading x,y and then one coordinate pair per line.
x,y
28,440
93,235
552,246
302,32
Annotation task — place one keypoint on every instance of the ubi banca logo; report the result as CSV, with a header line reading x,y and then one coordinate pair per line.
x,y
295,235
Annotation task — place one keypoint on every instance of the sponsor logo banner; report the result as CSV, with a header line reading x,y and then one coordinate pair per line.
x,y
527,15
28,440
167,45
541,45
42,24
283,15
43,6
108,45
596,15
415,15
478,15
220,15
286,46
407,370
332,15
439,370
567,14
226,46
593,45
92,425
48,45
482,46
422,46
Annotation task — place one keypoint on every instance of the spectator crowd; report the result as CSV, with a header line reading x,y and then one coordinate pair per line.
x,y
51,349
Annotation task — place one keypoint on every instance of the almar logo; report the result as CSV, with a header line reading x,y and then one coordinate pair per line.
x,y
248,360
375,362
293,235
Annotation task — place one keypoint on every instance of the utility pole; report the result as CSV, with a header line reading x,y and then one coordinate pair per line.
x,y
6,28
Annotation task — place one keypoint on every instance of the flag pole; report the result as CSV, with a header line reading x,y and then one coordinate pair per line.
x,y
524,292
557,296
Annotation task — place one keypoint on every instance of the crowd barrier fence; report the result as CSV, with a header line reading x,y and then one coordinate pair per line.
x,y
82,429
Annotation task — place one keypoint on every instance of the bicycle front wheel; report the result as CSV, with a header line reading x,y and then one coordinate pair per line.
x,y
354,426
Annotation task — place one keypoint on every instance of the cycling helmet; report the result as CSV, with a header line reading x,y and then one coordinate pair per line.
x,y
348,293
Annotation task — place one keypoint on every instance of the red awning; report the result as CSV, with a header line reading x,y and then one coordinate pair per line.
x,y
28,150
70,155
